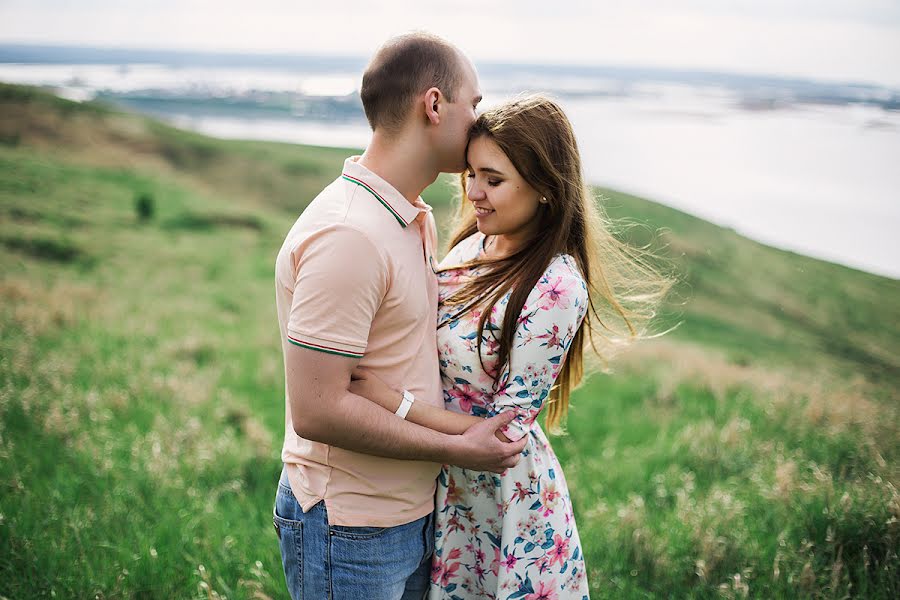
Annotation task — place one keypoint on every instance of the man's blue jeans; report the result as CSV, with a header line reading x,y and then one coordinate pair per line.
x,y
332,562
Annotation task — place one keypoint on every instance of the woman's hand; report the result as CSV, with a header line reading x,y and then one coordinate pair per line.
x,y
368,385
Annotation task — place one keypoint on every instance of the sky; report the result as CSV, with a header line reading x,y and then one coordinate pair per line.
x,y
850,40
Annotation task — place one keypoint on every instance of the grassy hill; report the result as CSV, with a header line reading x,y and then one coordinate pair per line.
x,y
753,451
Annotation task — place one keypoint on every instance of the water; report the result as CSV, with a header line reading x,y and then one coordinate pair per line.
x,y
817,179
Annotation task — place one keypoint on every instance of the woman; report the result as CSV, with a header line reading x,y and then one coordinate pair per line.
x,y
528,258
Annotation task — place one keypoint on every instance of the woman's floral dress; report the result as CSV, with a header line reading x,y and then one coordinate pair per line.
x,y
509,536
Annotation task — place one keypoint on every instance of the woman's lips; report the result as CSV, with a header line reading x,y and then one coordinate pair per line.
x,y
483,211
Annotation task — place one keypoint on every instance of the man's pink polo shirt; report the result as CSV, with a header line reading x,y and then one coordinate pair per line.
x,y
355,277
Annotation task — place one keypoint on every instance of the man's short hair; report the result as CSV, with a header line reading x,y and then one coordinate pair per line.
x,y
404,67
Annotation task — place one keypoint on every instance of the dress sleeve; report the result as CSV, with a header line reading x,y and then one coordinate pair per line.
x,y
547,324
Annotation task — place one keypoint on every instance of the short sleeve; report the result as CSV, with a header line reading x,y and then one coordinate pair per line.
x,y
547,324
340,280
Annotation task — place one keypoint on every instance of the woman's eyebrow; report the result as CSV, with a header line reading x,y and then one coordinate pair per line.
x,y
490,170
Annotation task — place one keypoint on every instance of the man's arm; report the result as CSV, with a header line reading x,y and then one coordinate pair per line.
x,y
373,388
323,410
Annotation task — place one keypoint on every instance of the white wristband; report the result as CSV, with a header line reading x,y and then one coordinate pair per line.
x,y
405,404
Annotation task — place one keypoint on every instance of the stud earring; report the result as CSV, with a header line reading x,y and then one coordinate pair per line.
x,y
543,200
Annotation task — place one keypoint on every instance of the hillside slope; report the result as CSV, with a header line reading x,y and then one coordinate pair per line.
x,y
752,452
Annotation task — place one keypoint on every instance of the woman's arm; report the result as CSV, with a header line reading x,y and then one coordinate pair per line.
x,y
370,386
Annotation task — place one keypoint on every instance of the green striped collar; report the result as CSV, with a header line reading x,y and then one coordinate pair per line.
x,y
404,212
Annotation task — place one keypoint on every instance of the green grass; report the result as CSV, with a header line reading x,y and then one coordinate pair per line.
x,y
752,452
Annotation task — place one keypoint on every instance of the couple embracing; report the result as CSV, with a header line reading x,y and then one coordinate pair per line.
x,y
414,464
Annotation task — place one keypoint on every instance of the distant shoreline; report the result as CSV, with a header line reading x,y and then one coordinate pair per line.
x,y
758,86
702,153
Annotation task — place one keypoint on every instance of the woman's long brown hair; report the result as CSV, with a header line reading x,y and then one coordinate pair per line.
x,y
624,286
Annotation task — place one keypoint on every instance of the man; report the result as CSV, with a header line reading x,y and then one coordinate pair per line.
x,y
355,286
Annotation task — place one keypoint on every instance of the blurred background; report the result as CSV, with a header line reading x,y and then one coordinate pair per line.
x,y
779,119
153,155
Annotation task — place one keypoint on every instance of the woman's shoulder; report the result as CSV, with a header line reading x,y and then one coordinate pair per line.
x,y
564,267
561,286
466,250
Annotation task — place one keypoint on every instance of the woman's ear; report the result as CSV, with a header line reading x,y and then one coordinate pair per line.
x,y
433,99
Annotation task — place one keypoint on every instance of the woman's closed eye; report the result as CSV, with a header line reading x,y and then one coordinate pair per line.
x,y
491,181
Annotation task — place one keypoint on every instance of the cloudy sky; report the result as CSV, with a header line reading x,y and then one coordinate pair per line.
x,y
856,40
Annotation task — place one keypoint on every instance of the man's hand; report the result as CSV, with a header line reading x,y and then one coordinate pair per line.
x,y
480,450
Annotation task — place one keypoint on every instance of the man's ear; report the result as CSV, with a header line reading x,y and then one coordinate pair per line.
x,y
433,100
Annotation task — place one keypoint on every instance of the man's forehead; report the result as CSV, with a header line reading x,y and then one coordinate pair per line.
x,y
470,74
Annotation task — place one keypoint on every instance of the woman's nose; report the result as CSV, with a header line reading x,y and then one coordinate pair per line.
x,y
475,191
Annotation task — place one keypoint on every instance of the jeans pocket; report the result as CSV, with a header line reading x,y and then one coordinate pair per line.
x,y
357,533
290,541
374,563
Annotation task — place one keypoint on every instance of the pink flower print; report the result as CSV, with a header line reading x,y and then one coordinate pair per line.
x,y
524,317
520,492
474,317
550,495
552,337
490,346
503,385
465,395
560,550
479,555
454,525
554,293
440,568
475,529
495,564
442,571
453,495
544,591
437,568
575,582
448,573
510,562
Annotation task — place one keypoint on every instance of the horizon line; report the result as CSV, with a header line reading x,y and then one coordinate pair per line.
x,y
359,61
